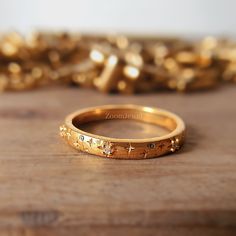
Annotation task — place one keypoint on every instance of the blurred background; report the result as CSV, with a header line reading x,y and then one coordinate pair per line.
x,y
179,17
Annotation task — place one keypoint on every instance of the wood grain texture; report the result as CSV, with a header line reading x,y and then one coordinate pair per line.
x,y
48,188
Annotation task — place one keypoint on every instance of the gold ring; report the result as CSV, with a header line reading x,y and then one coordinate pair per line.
x,y
124,148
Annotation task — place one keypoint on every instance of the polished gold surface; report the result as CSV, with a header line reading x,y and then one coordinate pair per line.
x,y
115,63
119,148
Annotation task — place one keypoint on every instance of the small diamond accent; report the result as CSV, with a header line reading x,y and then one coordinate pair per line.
x,y
151,145
108,149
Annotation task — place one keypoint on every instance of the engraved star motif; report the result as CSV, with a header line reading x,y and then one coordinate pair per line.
x,y
130,148
145,153
161,146
90,142
68,135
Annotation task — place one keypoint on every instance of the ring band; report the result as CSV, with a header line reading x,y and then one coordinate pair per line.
x,y
124,148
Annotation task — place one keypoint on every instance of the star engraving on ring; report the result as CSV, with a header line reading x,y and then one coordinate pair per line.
x,y
68,135
90,142
161,146
130,148
145,153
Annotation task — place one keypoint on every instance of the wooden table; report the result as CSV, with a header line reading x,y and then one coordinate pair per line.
x,y
48,188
